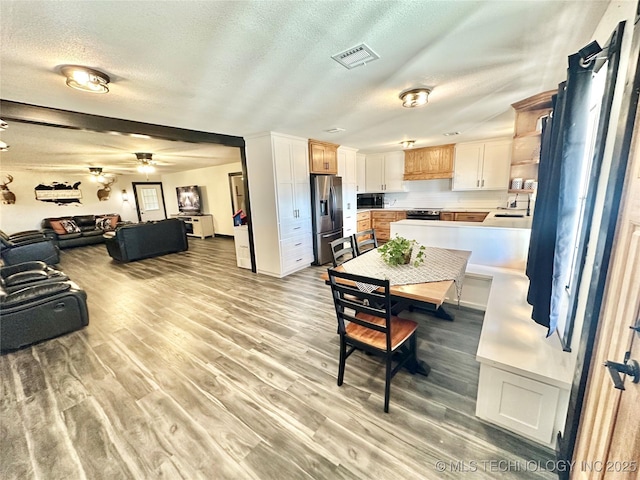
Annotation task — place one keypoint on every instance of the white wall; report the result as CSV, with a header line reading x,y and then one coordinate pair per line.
x,y
438,194
27,213
215,190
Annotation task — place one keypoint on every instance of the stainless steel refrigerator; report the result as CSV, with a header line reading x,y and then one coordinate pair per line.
x,y
326,208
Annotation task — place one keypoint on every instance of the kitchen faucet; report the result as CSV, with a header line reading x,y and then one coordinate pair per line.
x,y
528,204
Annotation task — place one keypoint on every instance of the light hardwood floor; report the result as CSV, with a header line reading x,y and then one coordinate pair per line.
x,y
193,368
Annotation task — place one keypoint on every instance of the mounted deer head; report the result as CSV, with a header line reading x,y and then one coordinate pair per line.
x,y
8,197
105,191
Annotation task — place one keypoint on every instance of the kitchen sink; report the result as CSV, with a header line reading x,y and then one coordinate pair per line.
x,y
509,215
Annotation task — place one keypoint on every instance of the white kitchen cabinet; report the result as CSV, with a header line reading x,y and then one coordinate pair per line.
x,y
361,176
384,172
279,186
482,165
348,171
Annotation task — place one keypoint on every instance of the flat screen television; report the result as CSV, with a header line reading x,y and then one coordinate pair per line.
x,y
189,200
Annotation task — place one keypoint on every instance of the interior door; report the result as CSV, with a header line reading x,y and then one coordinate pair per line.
x,y
149,201
608,445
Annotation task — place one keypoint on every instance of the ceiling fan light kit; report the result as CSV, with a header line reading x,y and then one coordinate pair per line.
x,y
408,143
86,79
415,97
146,163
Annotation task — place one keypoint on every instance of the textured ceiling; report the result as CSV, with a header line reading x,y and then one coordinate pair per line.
x,y
241,67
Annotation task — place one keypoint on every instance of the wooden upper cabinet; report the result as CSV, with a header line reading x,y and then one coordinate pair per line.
x,y
323,157
428,163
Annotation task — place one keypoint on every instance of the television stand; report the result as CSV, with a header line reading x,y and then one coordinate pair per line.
x,y
200,225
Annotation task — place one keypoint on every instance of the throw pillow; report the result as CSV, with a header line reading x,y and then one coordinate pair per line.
x,y
107,223
57,227
70,226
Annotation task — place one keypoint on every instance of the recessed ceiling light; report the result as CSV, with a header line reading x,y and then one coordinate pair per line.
x,y
335,130
451,134
86,79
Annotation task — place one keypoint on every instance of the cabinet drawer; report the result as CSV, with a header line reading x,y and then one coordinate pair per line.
x,y
401,216
390,216
364,216
447,216
470,217
364,225
295,228
295,243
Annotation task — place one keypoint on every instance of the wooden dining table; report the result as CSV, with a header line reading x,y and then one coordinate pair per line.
x,y
427,296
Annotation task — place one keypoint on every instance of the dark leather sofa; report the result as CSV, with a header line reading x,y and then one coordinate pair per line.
x,y
79,230
144,240
27,246
38,303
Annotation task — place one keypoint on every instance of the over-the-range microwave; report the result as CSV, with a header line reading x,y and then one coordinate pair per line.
x,y
371,200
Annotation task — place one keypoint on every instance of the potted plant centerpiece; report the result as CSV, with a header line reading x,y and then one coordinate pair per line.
x,y
398,250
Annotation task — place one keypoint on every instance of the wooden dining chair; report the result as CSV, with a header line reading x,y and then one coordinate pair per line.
x,y
365,240
342,249
365,323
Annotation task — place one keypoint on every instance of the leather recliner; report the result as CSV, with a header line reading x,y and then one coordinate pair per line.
x,y
26,247
38,303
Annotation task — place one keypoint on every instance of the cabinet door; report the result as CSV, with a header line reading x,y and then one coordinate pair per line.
x,y
316,156
412,160
342,165
374,172
331,157
302,199
468,161
282,160
496,165
299,161
393,172
361,173
286,202
350,175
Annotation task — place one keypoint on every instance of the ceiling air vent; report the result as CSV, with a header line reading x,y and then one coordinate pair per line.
x,y
356,56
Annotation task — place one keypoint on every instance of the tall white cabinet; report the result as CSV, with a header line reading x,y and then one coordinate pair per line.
x,y
279,186
347,169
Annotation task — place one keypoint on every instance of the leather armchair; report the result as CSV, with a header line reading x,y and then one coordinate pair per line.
x,y
17,277
38,303
27,246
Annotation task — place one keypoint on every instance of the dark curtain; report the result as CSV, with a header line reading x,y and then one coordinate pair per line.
x,y
562,154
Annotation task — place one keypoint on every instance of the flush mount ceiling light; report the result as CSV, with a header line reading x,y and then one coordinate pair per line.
x,y
3,147
415,97
408,143
3,125
86,79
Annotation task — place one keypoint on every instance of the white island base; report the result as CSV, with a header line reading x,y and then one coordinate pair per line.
x,y
525,378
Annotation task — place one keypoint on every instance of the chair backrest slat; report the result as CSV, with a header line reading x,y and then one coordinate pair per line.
x,y
342,249
368,309
365,240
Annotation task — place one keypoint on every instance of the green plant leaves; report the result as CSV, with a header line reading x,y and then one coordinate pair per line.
x,y
397,251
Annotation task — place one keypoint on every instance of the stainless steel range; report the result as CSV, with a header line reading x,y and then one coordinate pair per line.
x,y
423,214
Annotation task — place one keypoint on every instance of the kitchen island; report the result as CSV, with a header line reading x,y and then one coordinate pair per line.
x,y
497,241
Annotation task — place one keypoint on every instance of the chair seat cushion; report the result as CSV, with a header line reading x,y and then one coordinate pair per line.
x,y
401,329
